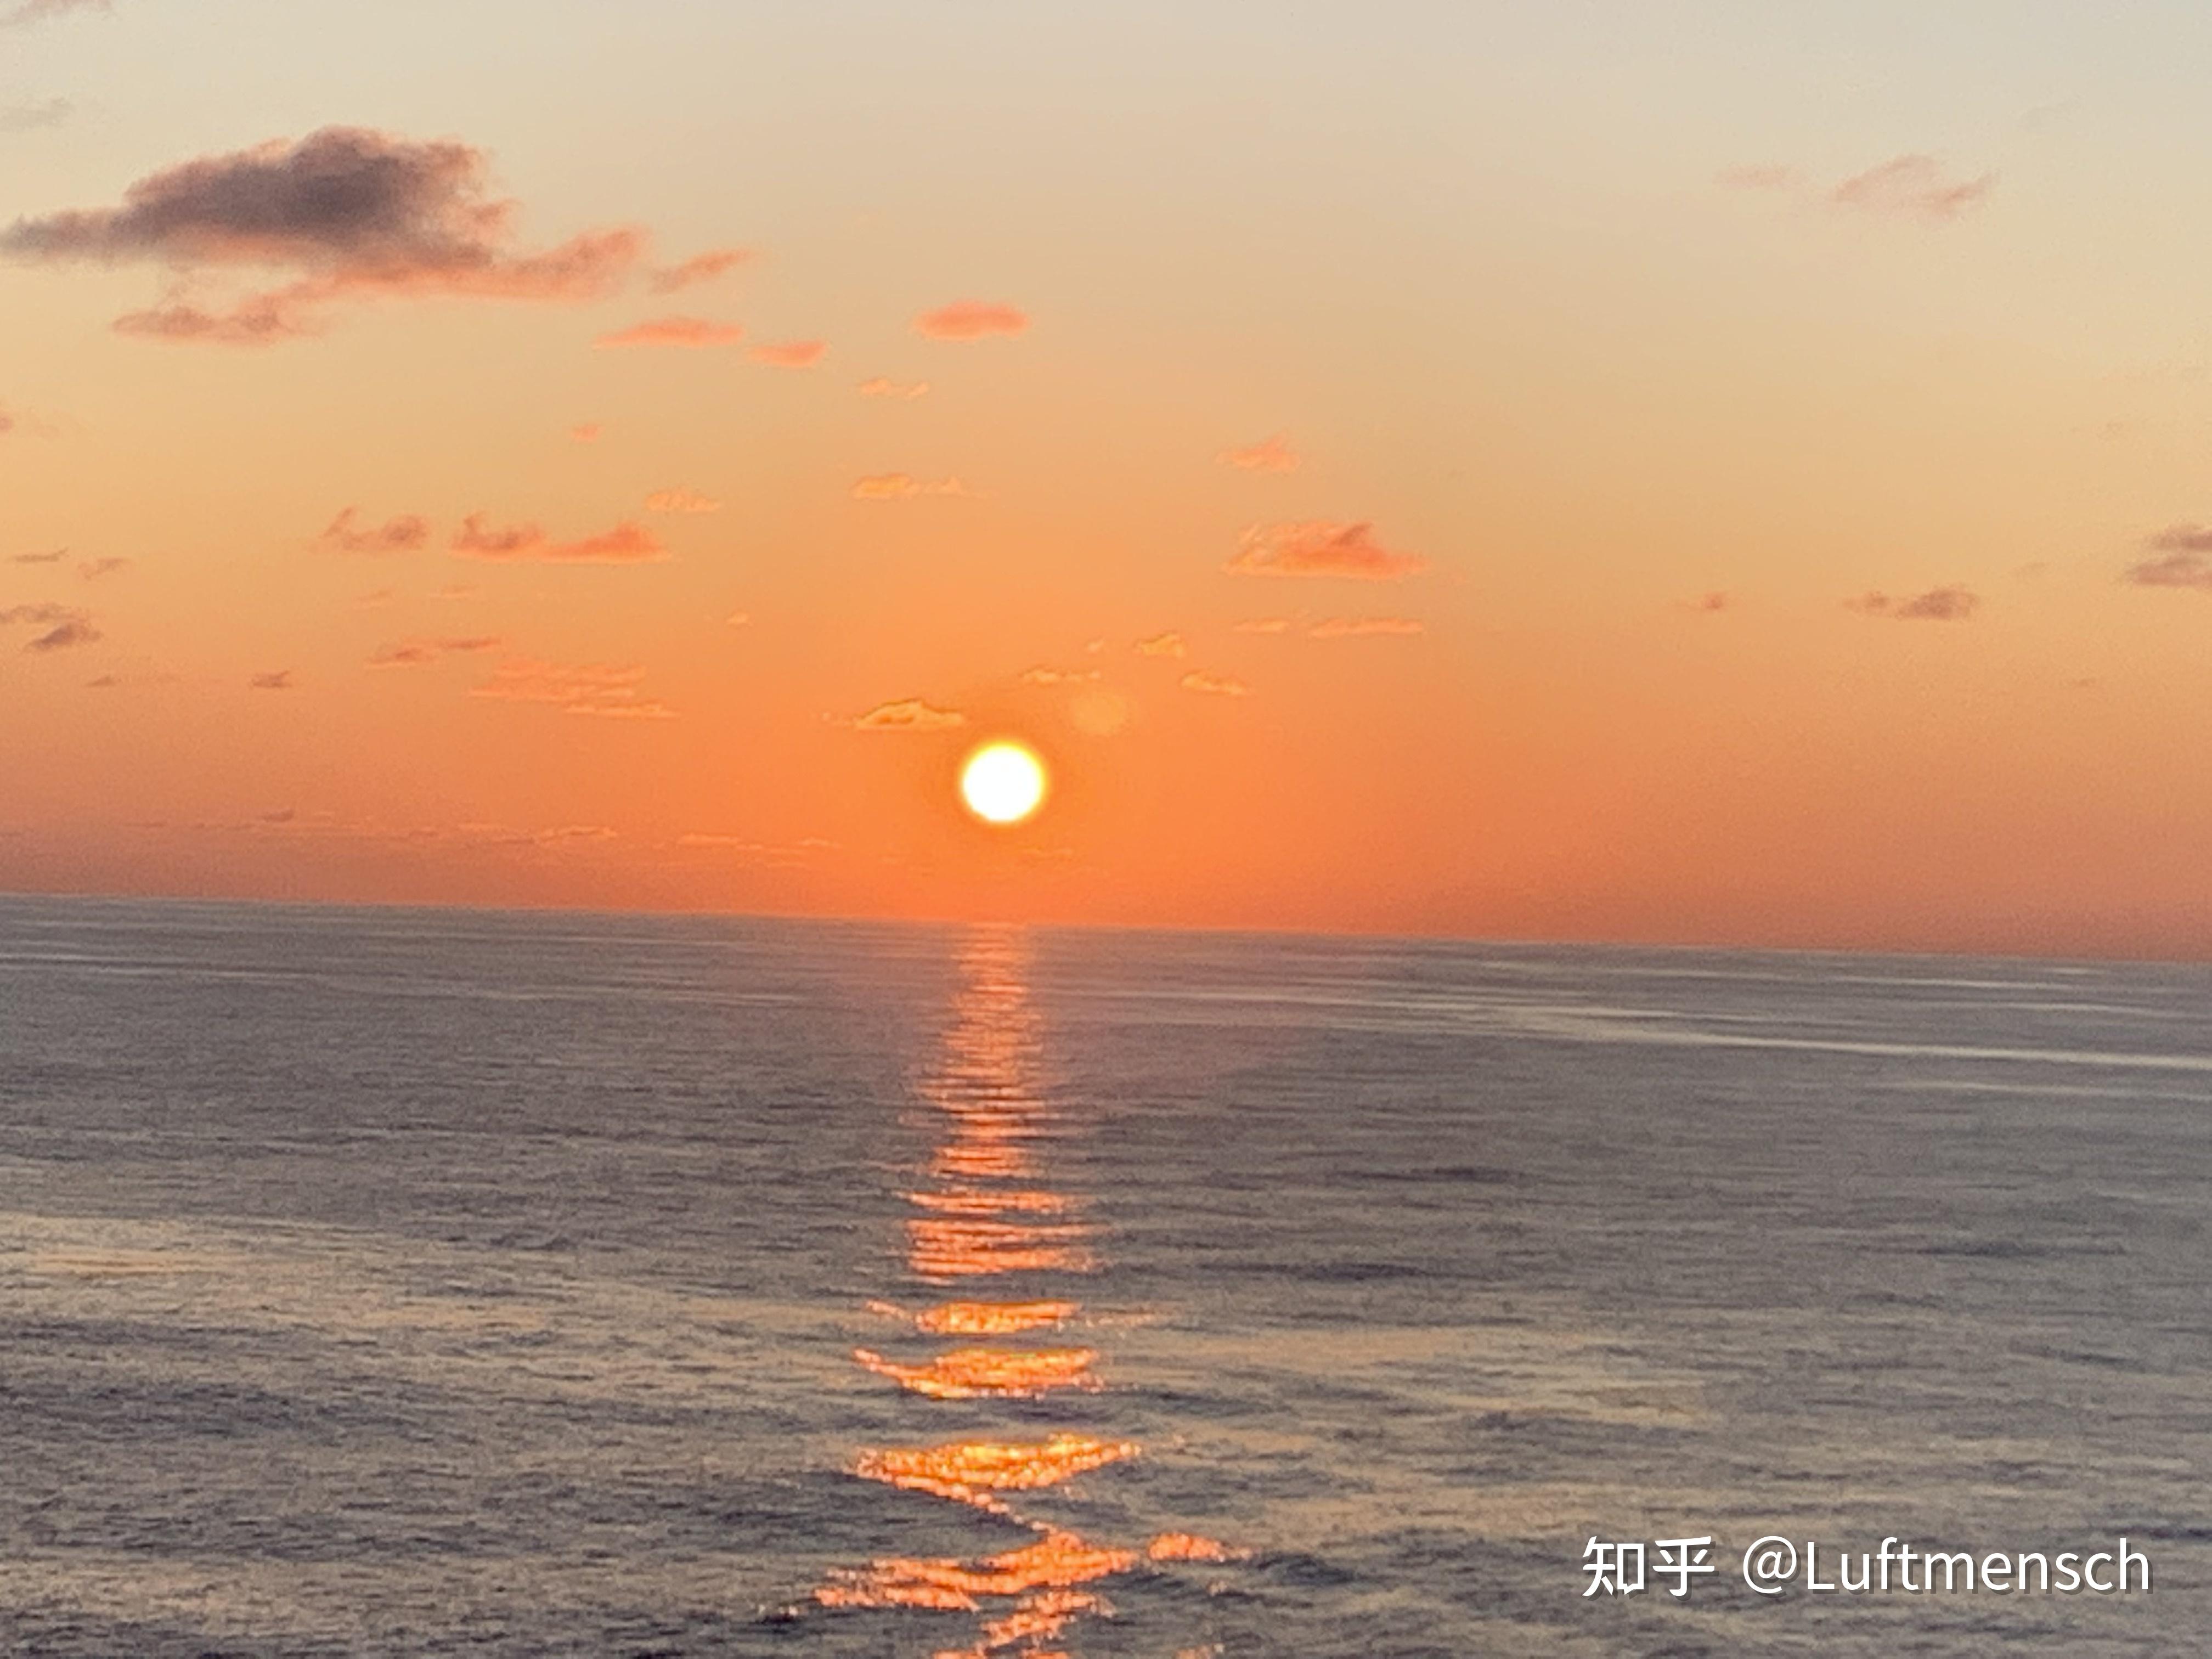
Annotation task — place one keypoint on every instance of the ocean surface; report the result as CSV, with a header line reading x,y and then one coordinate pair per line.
x,y
414,1282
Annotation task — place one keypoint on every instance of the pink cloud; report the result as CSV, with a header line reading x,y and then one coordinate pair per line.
x,y
969,319
626,543
403,534
907,714
900,486
879,386
354,213
1914,186
791,353
588,433
1214,685
699,268
689,332
1273,454
605,690
681,501
1322,547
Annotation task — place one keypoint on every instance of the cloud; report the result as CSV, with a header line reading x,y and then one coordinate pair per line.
x,y
1322,547
1161,645
737,619
626,543
791,353
353,212
1913,186
33,11
1273,454
1214,685
609,691
691,333
2184,559
880,387
457,591
588,433
30,117
899,486
1043,676
1352,628
279,679
1758,176
92,570
54,556
413,653
7,422
681,501
969,319
1952,604
699,268
403,534
65,626
907,714
1263,625
1713,601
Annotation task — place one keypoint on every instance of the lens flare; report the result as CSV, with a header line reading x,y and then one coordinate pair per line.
x,y
1002,782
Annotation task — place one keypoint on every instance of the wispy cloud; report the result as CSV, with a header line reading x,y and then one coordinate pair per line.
x,y
1263,625
403,534
737,619
699,268
30,117
900,486
65,625
1952,604
354,214
681,501
626,543
588,433
2181,558
1322,547
92,570
607,690
1758,176
1214,685
33,11
1043,676
1161,645
1353,628
277,679
1271,455
969,319
1709,603
413,653
907,714
689,332
54,555
790,354
882,387
1914,186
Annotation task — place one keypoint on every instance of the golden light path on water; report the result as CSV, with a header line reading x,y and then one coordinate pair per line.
x,y
988,1213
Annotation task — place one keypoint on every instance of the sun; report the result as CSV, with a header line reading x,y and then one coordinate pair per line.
x,y
1002,782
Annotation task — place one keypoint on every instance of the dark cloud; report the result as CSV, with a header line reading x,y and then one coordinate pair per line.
x,y
54,556
277,680
353,212
403,534
93,569
2181,558
628,542
65,625
1937,605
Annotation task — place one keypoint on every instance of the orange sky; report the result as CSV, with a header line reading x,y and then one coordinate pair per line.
x,y
1624,473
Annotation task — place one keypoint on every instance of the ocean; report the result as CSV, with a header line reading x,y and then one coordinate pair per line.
x,y
391,1281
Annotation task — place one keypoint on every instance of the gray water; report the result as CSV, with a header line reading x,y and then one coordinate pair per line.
x,y
395,1282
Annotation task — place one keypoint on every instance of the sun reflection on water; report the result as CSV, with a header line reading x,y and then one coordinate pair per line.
x,y
989,1213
